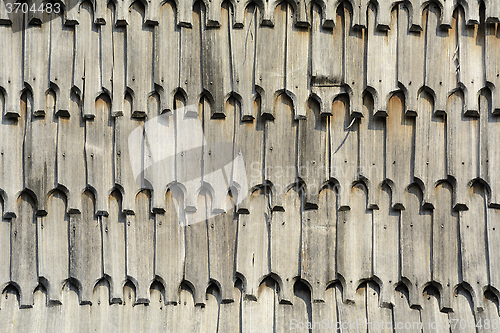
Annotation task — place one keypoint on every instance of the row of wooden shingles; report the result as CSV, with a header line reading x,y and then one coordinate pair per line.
x,y
246,315
415,246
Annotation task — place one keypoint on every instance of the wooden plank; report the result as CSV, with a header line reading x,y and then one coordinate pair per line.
x,y
215,44
440,53
462,318
127,159
156,311
230,313
99,152
222,247
379,319
430,145
280,160
243,54
371,150
196,267
411,56
139,60
415,242
493,239
297,62
53,245
71,317
100,314
325,312
253,155
139,235
219,153
462,147
386,246
188,166
445,254
492,63
258,316
36,68
40,148
252,255
209,315
296,317
85,241
403,314
106,45
190,56
113,245
5,225
326,70
11,152
119,60
473,246
432,319
354,243
70,153
355,53
381,59
343,148
23,247
352,316
159,139
166,66
471,46
488,320
398,153
10,309
318,239
313,149
176,315
169,245
62,43
489,155
270,71
11,79
87,65
285,243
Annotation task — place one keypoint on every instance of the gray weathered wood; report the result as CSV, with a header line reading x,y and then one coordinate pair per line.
x,y
169,245
285,242
196,265
166,66
371,150
386,246
319,229
381,60
280,163
53,245
354,243
113,246
415,242
343,148
398,152
139,62
139,235
252,255
85,241
99,153
473,248
70,153
445,234
313,151
23,249
462,147
430,145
